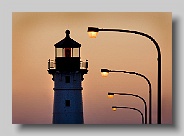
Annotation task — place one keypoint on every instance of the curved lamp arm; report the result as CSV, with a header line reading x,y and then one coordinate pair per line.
x,y
145,106
114,107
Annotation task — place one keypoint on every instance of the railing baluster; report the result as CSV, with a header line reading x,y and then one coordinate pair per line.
x,y
49,64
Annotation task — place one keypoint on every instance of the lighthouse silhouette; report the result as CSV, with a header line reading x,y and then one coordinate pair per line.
x,y
67,71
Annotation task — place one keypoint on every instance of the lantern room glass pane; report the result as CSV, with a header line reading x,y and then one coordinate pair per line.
x,y
63,52
75,52
67,52
58,52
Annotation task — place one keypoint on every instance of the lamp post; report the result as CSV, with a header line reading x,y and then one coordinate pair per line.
x,y
116,107
110,95
92,31
105,72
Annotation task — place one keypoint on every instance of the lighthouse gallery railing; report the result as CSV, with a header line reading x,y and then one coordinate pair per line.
x,y
52,64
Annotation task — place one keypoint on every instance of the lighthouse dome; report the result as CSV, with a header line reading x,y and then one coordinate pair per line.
x,y
67,42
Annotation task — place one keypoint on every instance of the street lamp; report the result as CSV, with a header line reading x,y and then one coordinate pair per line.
x,y
104,72
110,95
116,107
96,30
138,74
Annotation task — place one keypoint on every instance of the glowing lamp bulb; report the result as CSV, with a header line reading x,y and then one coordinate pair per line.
x,y
92,34
104,74
114,109
110,96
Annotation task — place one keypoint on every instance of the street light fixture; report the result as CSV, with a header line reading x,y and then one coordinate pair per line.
x,y
104,72
110,95
96,30
116,107
92,32
138,74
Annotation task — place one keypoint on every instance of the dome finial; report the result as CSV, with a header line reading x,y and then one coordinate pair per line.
x,y
67,33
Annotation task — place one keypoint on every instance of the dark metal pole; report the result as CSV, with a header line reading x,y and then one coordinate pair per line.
x,y
158,59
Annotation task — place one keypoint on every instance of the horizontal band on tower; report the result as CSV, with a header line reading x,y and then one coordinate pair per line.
x,y
68,89
67,112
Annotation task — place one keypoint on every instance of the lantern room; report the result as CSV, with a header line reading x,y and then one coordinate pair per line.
x,y
67,54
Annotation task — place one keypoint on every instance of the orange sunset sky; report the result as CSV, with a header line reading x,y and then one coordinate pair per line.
x,y
34,35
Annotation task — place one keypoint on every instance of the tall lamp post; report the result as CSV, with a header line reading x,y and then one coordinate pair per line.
x,y
110,95
92,31
124,107
105,72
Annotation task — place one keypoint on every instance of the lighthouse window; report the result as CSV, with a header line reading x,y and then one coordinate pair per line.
x,y
67,103
75,52
67,79
59,52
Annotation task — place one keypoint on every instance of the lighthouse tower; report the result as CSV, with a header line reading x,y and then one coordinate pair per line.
x,y
67,70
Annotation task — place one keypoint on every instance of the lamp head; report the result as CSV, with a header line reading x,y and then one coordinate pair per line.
x,y
114,108
92,32
110,95
104,72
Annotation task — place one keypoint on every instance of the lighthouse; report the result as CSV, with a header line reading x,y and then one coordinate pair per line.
x,y
67,72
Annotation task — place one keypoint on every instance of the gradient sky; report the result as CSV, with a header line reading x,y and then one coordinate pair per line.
x,y
34,35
